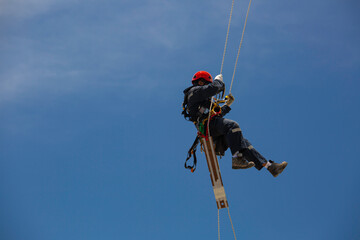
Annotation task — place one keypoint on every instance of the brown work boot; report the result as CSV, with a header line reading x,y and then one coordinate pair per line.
x,y
276,168
239,162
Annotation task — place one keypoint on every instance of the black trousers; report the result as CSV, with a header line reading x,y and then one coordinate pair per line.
x,y
230,130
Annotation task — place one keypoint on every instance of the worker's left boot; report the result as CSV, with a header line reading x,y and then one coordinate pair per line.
x,y
276,168
239,162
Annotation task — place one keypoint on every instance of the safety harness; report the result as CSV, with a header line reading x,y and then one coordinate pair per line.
x,y
201,126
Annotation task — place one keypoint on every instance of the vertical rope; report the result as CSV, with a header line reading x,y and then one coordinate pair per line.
x,y
208,121
232,81
218,224
231,223
226,41
227,37
242,37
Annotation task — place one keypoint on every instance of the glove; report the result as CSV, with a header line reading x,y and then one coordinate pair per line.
x,y
219,77
229,99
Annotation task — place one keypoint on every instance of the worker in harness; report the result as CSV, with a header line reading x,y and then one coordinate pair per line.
x,y
225,132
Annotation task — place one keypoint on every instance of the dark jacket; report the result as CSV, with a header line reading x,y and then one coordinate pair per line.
x,y
197,99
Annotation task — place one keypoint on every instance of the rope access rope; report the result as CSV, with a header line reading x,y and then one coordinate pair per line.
x,y
232,226
227,37
237,57
242,37
219,224
232,81
231,223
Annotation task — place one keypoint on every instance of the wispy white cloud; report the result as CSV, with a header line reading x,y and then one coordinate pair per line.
x,y
25,79
25,8
94,41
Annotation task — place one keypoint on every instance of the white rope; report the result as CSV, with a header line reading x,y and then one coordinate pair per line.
x,y
232,80
227,37
231,223
242,37
232,226
219,224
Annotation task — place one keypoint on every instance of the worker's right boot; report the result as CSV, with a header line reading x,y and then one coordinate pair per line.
x,y
239,162
276,168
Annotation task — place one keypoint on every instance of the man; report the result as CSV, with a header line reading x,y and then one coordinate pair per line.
x,y
225,132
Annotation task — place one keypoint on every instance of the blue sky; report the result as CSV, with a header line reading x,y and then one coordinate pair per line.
x,y
92,142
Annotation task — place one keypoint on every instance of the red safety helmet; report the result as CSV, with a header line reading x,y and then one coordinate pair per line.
x,y
202,75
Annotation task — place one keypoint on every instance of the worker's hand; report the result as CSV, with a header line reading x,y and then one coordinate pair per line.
x,y
229,99
219,77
